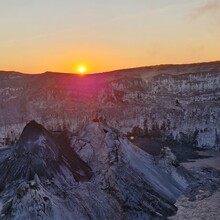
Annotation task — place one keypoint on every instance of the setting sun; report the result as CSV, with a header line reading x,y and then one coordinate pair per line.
x,y
81,69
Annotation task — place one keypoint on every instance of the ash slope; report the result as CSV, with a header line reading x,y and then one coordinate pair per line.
x,y
178,102
39,179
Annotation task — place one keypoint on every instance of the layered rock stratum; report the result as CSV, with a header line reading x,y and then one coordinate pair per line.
x,y
178,102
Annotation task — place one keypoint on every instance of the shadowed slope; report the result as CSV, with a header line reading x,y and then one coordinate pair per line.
x,y
37,152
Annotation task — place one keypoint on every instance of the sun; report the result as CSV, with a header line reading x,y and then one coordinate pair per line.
x,y
81,69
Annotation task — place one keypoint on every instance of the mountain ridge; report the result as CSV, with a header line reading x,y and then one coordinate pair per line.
x,y
148,67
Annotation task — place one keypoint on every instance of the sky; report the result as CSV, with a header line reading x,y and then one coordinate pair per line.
x,y
59,35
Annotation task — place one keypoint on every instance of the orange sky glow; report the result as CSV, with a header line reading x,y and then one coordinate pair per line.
x,y
39,36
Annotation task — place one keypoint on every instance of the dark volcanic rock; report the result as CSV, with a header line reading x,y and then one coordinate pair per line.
x,y
38,152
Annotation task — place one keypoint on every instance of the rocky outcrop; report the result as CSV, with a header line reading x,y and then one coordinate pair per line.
x,y
201,199
126,181
38,153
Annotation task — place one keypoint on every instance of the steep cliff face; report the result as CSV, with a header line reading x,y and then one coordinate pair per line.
x,y
173,102
184,107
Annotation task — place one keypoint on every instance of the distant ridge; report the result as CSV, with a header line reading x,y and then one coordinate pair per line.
x,y
145,68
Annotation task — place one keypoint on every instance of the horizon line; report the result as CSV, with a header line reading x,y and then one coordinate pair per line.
x,y
114,70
